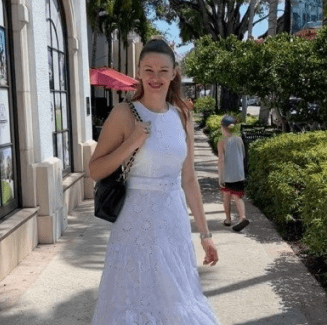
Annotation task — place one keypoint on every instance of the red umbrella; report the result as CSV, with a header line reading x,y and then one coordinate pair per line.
x,y
109,78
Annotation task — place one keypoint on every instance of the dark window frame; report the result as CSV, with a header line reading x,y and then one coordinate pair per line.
x,y
11,86
66,91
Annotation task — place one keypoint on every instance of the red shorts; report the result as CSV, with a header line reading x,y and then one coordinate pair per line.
x,y
236,188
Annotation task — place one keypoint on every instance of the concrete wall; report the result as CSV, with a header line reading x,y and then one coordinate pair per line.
x,y
47,198
18,236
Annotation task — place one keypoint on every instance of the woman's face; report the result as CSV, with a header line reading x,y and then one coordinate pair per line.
x,y
156,71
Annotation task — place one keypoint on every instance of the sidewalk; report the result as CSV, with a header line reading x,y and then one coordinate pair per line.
x,y
258,280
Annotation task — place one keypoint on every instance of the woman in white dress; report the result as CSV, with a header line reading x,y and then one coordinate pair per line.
x,y
150,275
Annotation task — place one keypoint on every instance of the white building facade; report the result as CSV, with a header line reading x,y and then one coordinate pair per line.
x,y
45,122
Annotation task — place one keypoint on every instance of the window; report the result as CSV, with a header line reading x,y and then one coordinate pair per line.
x,y
8,174
59,100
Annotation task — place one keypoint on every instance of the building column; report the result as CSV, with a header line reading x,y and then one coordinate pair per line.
x,y
52,216
20,21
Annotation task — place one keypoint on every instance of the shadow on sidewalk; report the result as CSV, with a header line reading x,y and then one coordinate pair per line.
x,y
86,238
77,310
290,317
210,190
290,282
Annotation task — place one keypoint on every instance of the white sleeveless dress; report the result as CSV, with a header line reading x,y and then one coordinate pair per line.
x,y
150,275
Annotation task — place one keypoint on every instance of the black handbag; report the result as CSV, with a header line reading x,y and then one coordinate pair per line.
x,y
110,192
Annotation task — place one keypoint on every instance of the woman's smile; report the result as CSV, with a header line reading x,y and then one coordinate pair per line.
x,y
155,85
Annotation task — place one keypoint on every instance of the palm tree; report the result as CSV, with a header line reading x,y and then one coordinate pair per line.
x,y
94,7
132,19
108,24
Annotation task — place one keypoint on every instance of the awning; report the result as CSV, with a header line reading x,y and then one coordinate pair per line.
x,y
111,79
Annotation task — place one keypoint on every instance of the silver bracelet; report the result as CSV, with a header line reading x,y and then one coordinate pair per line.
x,y
207,235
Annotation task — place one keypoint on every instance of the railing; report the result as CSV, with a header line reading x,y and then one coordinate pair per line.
x,y
250,133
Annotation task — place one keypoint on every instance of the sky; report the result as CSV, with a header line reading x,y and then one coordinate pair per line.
x,y
172,31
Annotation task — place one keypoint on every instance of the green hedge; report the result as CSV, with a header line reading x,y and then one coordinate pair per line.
x,y
205,106
288,179
214,131
314,212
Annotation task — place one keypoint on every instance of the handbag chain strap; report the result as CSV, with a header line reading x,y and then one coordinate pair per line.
x,y
129,164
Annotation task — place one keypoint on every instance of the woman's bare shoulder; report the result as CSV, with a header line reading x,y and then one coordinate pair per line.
x,y
120,113
118,123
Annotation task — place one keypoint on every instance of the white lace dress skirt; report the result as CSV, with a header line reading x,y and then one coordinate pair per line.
x,y
150,275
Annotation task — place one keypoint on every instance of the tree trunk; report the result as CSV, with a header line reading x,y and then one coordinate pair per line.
x,y
119,51
119,62
287,16
272,29
244,108
95,39
126,59
216,98
272,19
229,100
253,6
109,41
282,119
264,115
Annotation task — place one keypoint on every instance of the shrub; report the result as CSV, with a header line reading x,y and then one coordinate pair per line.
x,y
314,212
205,106
288,179
285,184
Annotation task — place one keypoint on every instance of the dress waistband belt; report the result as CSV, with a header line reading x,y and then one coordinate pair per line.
x,y
154,184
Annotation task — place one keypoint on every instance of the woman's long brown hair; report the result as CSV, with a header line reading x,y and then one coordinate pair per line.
x,y
174,91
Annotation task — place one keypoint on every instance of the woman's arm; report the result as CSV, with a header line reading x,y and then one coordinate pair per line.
x,y
121,135
191,185
194,199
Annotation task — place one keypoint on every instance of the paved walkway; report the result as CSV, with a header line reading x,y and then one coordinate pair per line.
x,y
258,280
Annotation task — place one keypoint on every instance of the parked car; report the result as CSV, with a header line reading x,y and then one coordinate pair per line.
x,y
251,101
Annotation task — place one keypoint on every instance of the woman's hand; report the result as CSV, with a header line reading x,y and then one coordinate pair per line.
x,y
141,132
210,251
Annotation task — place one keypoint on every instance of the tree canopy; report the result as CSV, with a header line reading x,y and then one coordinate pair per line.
x,y
218,18
281,67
